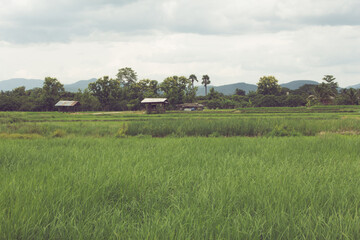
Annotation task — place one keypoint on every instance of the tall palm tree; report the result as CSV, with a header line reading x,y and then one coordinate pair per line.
x,y
193,78
326,92
351,95
205,82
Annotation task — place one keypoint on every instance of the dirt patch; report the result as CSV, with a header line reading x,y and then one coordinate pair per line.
x,y
340,133
350,117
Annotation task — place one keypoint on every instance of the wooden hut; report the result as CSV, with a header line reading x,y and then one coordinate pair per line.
x,y
155,105
190,106
67,106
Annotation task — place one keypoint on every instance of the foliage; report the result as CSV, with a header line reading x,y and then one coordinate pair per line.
x,y
268,85
178,90
240,92
348,97
205,82
193,79
126,92
283,131
51,93
326,91
106,90
148,88
121,133
295,101
58,133
126,76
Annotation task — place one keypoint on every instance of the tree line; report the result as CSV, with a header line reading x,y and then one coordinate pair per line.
x,y
125,92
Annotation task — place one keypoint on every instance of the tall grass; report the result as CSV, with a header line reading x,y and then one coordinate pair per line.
x,y
190,127
240,127
188,188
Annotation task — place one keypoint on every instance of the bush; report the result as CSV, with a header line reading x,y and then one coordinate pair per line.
x,y
215,134
58,133
283,131
295,101
121,133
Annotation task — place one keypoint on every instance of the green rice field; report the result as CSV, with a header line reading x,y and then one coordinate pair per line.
x,y
262,173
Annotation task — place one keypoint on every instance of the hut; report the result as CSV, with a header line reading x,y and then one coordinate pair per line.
x,y
156,105
67,106
190,107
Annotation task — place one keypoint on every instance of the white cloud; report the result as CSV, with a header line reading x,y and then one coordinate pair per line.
x,y
230,40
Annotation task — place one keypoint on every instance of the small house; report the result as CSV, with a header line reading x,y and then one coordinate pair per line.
x,y
190,106
67,106
156,105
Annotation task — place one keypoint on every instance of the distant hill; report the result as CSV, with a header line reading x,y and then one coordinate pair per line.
x,y
298,83
8,85
227,89
82,84
230,88
356,86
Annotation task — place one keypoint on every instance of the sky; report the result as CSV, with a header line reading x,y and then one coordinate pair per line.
x,y
230,40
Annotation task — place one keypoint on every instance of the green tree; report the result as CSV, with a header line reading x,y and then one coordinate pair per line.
x,y
305,90
149,88
326,91
268,85
213,94
295,101
193,78
205,82
330,80
106,90
348,97
126,76
88,102
51,93
176,89
240,92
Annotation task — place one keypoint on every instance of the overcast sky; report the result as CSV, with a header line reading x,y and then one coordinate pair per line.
x,y
230,40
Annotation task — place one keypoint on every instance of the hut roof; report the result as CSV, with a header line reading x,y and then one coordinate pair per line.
x,y
155,100
191,105
66,103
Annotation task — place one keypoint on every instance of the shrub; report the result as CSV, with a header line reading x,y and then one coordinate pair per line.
x,y
58,133
283,131
215,134
121,133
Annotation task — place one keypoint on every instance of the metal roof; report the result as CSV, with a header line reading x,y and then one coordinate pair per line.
x,y
66,103
184,105
155,100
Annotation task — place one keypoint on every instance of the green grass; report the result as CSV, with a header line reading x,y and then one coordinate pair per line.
x,y
240,122
186,188
181,175
226,126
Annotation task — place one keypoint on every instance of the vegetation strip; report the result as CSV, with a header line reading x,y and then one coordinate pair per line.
x,y
233,188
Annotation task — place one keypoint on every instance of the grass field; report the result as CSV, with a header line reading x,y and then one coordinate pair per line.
x,y
245,174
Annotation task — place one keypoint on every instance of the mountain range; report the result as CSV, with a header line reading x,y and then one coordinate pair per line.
x,y
8,85
228,89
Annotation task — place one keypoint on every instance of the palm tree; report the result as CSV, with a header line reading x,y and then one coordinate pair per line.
x,y
193,78
326,92
205,82
351,95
